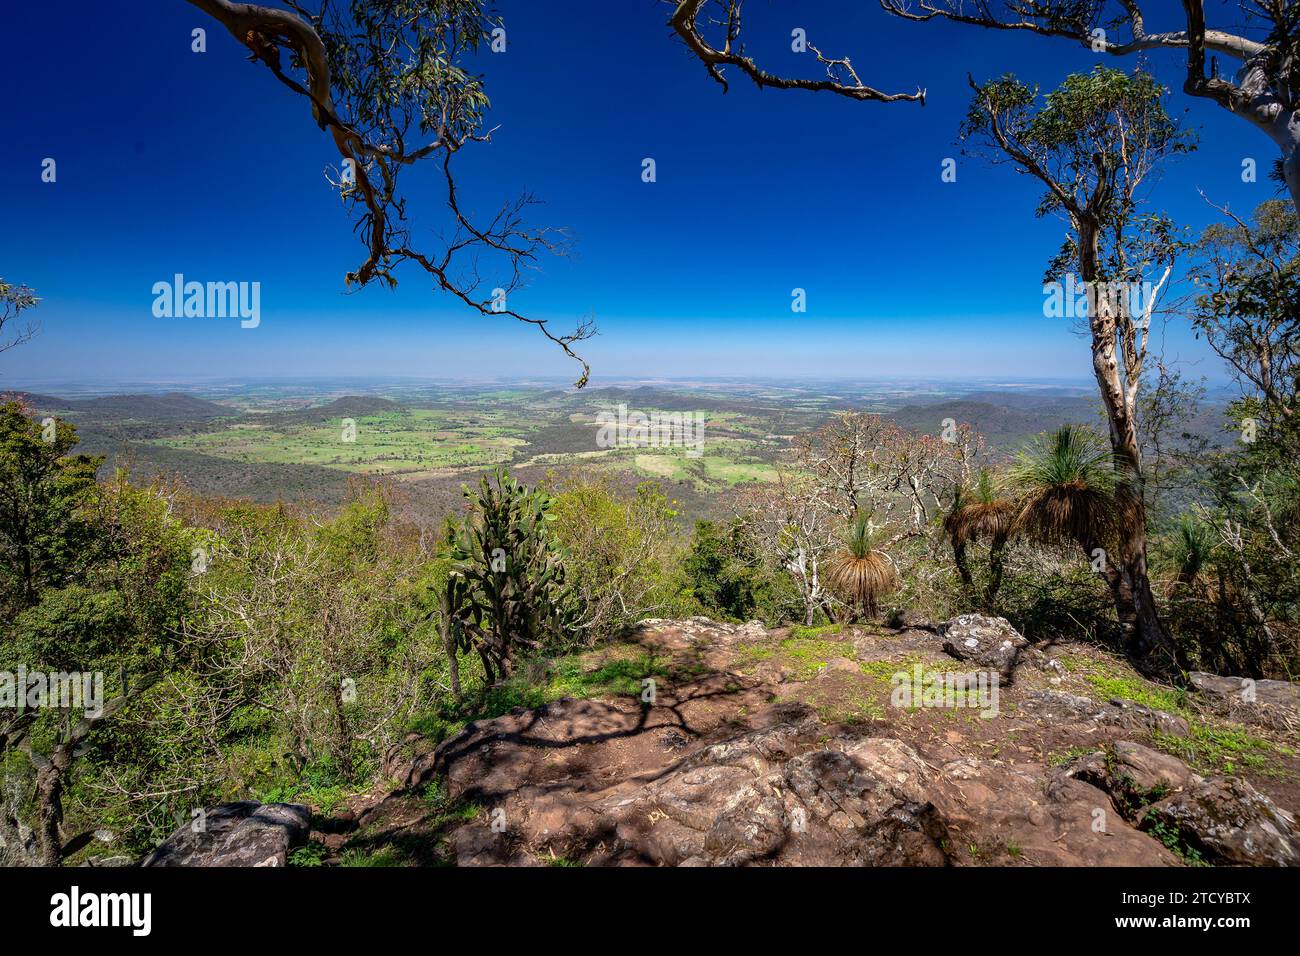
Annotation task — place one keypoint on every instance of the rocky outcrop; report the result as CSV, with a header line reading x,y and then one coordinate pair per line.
x,y
697,632
1229,822
784,793
1118,714
1221,820
236,834
1269,703
765,748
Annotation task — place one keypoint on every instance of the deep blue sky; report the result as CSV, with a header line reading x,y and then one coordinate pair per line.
x,y
171,161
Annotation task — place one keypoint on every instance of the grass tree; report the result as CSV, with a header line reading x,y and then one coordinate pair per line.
x,y
1067,481
1191,548
980,513
861,574
1094,144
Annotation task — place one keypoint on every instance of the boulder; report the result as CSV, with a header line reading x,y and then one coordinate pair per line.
x,y
992,812
989,642
1224,819
1229,822
236,834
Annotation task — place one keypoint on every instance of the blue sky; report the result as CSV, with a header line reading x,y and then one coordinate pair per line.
x,y
171,161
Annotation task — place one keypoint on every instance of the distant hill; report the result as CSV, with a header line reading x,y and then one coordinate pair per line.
x,y
209,475
170,406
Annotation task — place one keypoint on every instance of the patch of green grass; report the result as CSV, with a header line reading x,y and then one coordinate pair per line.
x,y
1062,757
445,810
318,786
573,676
383,857
1221,748
1172,700
803,656
885,670
850,712
1073,663
803,633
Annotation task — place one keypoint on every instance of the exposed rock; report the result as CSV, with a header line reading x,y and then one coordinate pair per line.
x,y
1133,775
988,807
840,664
724,769
1121,714
236,834
1048,664
773,671
1273,703
990,642
1229,822
696,632
1224,819
784,793
874,647
910,619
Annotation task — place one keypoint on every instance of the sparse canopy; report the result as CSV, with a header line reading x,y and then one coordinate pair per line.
x,y
1263,91
15,299
696,21
389,81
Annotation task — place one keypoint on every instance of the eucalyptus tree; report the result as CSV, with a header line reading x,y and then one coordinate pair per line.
x,y
390,81
1094,144
1264,92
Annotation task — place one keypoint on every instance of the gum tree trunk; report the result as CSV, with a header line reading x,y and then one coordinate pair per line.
x,y
1145,638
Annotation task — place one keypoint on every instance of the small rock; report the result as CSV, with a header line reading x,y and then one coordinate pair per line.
x,y
840,665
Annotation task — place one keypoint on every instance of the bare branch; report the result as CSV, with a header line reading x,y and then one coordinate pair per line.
x,y
685,21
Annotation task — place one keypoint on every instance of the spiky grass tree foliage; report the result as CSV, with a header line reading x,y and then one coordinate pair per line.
x,y
861,575
505,591
980,514
1068,482
1191,548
